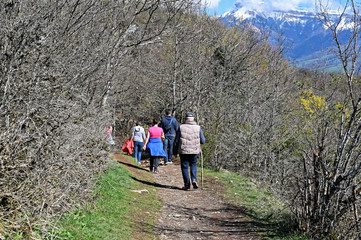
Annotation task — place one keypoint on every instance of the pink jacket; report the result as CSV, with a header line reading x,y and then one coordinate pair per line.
x,y
156,132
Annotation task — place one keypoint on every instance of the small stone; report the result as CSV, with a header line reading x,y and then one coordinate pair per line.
x,y
140,191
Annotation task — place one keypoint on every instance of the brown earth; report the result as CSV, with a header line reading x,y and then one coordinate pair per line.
x,y
196,214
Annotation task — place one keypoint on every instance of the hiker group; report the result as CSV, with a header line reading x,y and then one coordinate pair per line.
x,y
165,139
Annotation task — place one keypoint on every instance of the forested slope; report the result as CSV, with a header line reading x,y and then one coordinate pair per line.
x,y
68,69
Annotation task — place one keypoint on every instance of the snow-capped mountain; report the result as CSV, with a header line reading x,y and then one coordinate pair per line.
x,y
308,40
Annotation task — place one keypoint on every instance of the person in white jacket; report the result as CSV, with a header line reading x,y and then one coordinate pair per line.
x,y
138,136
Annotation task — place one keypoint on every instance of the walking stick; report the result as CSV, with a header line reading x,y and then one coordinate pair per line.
x,y
201,169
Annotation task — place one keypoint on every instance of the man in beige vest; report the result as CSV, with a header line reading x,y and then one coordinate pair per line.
x,y
188,145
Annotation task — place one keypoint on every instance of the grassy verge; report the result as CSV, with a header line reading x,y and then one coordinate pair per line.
x,y
260,205
118,213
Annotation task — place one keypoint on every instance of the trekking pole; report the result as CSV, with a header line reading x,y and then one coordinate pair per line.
x,y
201,161
201,169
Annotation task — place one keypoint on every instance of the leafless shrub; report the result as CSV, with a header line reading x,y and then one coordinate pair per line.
x,y
58,66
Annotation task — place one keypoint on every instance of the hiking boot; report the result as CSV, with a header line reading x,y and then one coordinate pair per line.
x,y
195,184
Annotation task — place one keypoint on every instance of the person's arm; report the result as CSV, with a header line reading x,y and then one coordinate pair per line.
x,y
201,135
175,125
146,141
143,134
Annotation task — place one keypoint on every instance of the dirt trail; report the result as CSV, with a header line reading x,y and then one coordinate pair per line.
x,y
196,214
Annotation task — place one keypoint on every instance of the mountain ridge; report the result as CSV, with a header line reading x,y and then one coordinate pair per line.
x,y
308,40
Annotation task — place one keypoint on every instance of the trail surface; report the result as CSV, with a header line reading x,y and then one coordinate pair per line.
x,y
195,214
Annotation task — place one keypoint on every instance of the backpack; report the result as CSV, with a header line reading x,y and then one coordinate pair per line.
x,y
168,127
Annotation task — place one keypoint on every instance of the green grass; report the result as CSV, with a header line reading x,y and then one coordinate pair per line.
x,y
260,204
255,198
111,215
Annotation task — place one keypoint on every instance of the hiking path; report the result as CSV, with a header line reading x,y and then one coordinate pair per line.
x,y
196,214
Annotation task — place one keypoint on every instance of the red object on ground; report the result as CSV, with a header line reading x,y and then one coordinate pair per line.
x,y
128,146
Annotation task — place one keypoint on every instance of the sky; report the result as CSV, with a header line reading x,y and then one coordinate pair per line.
x,y
222,6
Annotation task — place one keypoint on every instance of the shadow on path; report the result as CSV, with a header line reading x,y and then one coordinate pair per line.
x,y
155,184
132,166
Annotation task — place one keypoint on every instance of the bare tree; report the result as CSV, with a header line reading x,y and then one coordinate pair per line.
x,y
59,63
330,140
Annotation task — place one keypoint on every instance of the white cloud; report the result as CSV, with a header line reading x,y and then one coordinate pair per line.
x,y
291,4
210,3
270,5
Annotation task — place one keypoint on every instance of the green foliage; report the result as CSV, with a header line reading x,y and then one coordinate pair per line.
x,y
341,109
312,105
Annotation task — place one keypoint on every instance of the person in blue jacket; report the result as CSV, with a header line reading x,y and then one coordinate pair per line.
x,y
170,127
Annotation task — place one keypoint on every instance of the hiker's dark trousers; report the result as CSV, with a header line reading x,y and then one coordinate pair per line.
x,y
154,162
188,161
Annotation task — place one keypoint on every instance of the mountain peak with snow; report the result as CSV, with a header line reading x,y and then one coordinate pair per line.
x,y
302,30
